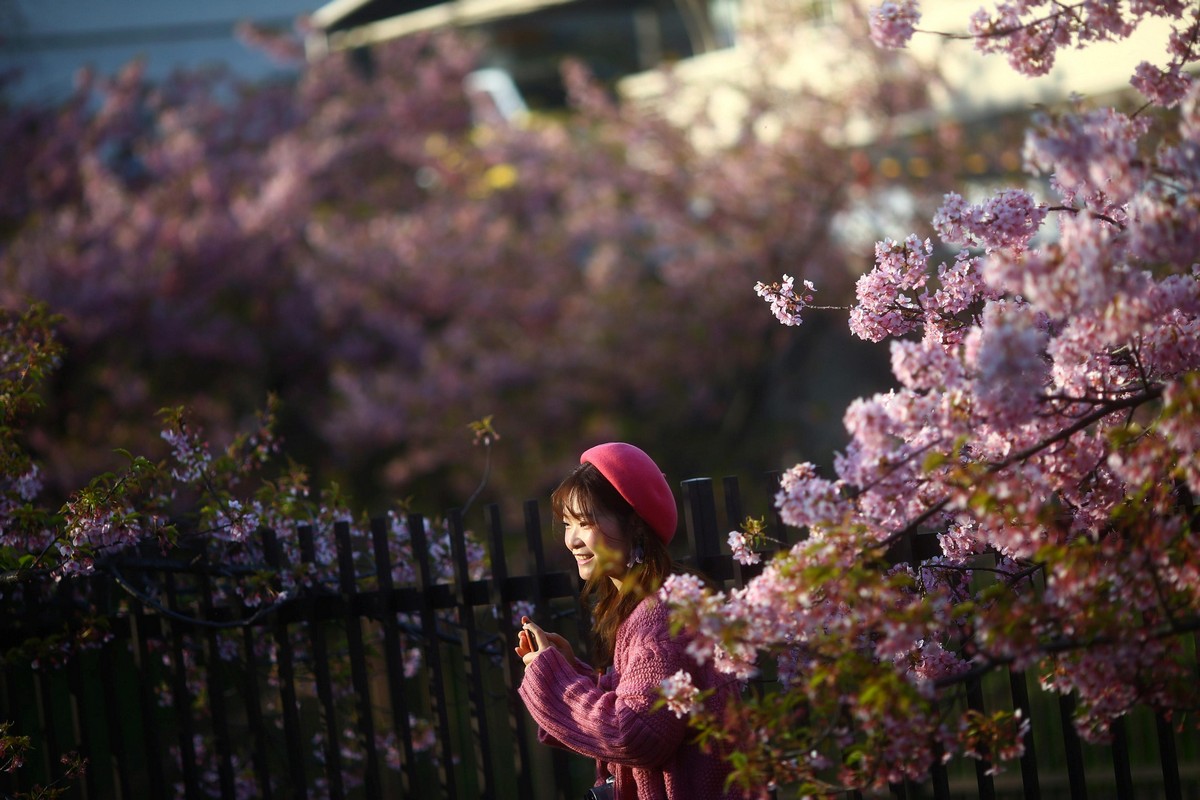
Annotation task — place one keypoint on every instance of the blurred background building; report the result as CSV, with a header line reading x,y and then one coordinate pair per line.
x,y
528,39
622,41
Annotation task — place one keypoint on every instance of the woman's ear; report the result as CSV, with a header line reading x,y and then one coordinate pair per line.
x,y
637,549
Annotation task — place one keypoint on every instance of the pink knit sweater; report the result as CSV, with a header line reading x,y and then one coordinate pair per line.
x,y
610,718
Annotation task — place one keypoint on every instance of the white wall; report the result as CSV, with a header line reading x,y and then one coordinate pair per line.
x,y
975,85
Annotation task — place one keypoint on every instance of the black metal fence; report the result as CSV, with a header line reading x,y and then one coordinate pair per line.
x,y
191,692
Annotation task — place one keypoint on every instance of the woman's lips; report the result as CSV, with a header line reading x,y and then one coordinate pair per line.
x,y
583,559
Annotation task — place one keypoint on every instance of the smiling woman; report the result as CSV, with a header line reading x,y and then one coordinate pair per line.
x,y
618,517
592,540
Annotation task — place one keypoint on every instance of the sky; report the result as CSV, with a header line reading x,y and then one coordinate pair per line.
x,y
50,40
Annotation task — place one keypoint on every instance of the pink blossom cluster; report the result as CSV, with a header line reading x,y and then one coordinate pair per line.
x,y
1181,427
805,621
994,738
806,500
742,548
1030,32
887,305
1166,86
16,492
1008,219
680,693
1163,87
1005,355
1044,426
786,305
1092,155
703,609
233,522
893,23
191,455
93,531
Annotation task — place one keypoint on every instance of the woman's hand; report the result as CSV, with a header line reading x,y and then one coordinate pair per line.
x,y
532,641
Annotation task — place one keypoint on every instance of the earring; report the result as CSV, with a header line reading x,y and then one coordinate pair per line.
x,y
636,556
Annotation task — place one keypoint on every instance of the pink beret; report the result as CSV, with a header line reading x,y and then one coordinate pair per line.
x,y
639,480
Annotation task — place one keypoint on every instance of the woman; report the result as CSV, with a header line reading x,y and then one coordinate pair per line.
x,y
619,515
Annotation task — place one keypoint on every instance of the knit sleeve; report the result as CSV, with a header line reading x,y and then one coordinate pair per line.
x,y
543,736
616,725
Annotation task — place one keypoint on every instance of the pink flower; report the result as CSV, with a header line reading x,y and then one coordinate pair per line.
x,y
742,552
681,694
886,302
682,590
1163,87
786,305
1091,155
1007,353
805,499
1010,218
893,23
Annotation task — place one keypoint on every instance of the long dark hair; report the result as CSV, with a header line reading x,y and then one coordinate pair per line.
x,y
587,492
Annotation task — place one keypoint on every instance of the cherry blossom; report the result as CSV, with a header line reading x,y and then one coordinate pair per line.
x,y
1010,218
742,551
1043,429
786,305
893,23
680,693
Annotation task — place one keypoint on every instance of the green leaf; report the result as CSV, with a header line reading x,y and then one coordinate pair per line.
x,y
933,461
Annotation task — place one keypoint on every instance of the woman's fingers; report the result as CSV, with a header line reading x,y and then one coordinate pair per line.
x,y
532,640
539,636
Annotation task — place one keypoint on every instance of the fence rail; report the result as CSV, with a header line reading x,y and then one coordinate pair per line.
x,y
194,693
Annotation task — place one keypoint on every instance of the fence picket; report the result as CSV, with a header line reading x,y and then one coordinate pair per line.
x,y
181,697
156,780
320,668
394,656
471,649
987,787
285,657
116,737
939,775
510,664
742,573
1073,748
701,528
48,726
216,691
433,656
78,714
1120,759
1029,772
252,700
1168,757
348,586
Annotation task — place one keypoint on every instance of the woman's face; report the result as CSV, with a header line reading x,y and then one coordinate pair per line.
x,y
596,542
